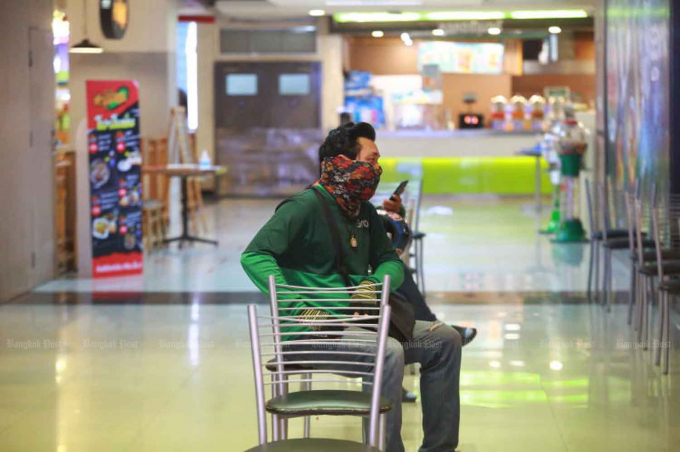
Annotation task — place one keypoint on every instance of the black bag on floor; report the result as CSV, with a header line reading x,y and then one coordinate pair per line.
x,y
402,319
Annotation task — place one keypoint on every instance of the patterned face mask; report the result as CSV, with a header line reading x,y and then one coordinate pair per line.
x,y
349,182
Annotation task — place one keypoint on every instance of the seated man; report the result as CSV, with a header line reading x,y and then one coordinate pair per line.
x,y
295,245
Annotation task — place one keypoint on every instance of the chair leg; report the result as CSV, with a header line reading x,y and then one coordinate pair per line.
x,y
596,286
605,276
667,334
653,301
383,432
641,307
611,297
645,315
590,269
631,296
307,386
275,418
638,300
284,420
662,316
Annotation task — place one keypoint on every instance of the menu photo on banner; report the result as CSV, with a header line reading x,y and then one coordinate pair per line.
x,y
115,162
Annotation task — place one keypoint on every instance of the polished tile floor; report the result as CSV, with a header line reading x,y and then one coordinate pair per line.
x,y
559,377
548,372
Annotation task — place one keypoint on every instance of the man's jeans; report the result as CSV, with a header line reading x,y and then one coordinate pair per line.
x,y
437,347
409,290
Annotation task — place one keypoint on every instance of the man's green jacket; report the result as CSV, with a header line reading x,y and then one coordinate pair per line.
x,y
295,245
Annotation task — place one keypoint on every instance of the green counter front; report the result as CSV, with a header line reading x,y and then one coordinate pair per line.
x,y
513,175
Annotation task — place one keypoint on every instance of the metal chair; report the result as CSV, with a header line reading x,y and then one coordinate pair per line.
x,y
664,222
613,204
295,335
668,258
599,235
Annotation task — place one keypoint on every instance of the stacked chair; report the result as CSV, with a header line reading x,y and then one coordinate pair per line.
x,y
273,367
418,239
650,231
665,226
614,235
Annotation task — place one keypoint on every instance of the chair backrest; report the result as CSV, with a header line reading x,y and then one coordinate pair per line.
x,y
410,215
629,199
591,212
419,200
642,226
665,229
605,222
329,331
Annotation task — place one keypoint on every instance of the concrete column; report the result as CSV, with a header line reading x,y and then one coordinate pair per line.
x,y
27,242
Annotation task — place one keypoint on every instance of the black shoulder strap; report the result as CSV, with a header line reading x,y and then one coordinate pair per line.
x,y
335,236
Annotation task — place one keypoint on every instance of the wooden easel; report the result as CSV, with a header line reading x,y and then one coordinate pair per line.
x,y
181,150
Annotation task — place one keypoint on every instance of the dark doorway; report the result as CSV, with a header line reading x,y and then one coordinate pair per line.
x,y
267,125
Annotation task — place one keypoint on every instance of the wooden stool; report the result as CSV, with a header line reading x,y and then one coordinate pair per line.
x,y
152,225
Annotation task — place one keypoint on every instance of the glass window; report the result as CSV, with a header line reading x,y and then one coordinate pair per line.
x,y
235,41
274,40
294,84
241,85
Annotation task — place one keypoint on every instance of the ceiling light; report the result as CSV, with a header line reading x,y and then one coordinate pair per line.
x,y
555,30
494,31
361,17
494,364
465,15
317,12
85,46
438,32
376,17
377,34
554,14
374,2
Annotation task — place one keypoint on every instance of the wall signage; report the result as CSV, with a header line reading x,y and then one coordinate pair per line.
x,y
115,177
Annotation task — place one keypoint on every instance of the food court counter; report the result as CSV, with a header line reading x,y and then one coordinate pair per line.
x,y
454,143
462,161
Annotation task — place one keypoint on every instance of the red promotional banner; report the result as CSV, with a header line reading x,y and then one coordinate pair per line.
x,y
115,177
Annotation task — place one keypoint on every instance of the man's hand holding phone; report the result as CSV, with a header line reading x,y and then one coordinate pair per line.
x,y
393,204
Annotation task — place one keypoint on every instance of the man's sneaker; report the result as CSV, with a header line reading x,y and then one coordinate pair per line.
x,y
408,396
467,334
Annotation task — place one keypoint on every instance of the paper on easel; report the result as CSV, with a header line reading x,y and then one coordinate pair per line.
x,y
179,149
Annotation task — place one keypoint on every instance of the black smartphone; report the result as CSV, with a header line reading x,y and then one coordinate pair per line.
x,y
400,189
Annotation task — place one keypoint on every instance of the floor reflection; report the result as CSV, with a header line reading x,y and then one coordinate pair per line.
x,y
542,375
